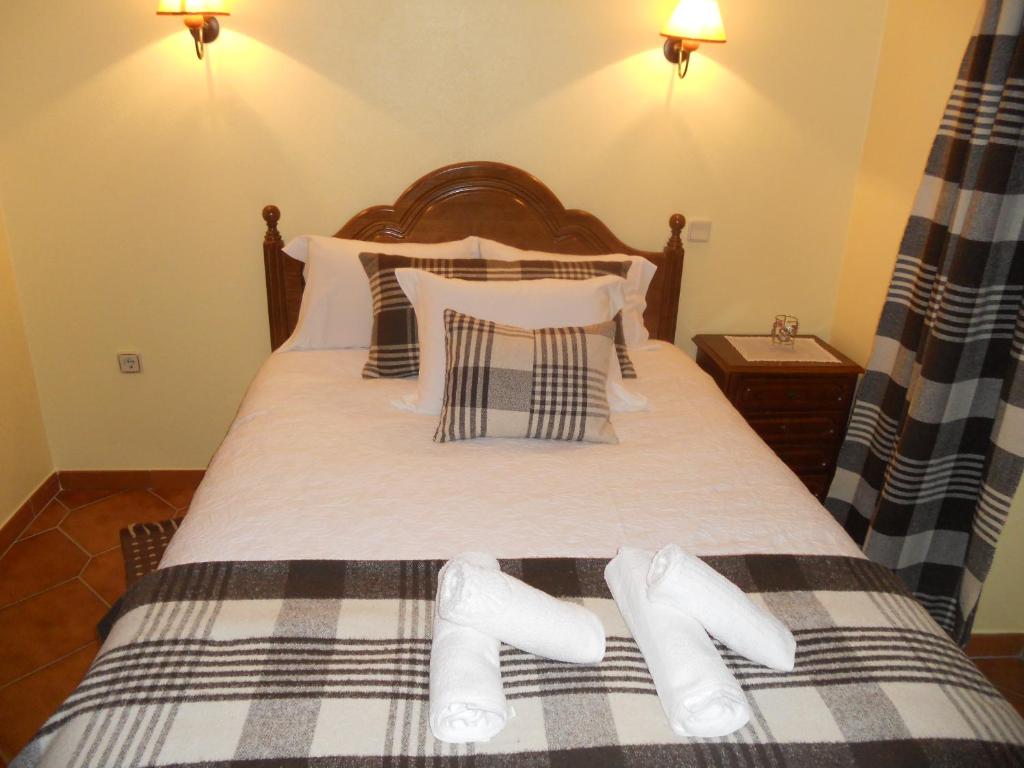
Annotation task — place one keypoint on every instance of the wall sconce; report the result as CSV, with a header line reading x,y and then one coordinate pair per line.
x,y
693,22
200,18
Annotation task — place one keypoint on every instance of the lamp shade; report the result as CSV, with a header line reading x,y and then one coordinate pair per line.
x,y
696,20
193,8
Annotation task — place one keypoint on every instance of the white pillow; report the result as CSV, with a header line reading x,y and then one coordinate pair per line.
x,y
530,304
299,247
638,280
337,311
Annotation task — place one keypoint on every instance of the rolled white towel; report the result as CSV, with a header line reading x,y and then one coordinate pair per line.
x,y
515,613
467,702
680,580
699,694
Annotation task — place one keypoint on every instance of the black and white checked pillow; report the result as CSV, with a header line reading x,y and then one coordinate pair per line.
x,y
394,342
504,381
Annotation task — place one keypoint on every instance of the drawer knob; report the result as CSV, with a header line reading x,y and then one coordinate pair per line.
x,y
831,431
783,427
790,395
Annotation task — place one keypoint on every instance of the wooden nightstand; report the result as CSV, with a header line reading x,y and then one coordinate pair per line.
x,y
799,409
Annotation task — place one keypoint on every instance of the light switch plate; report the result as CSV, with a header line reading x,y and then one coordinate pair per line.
x,y
129,362
699,231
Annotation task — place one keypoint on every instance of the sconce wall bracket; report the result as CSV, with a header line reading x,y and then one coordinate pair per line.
x,y
210,29
678,52
202,32
200,17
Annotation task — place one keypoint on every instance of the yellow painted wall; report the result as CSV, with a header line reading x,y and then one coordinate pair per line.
x,y
923,45
921,52
134,175
24,452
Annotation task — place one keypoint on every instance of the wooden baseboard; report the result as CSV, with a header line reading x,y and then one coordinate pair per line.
x,y
996,646
19,521
129,479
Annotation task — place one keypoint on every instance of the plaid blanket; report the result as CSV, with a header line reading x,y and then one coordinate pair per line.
x,y
325,663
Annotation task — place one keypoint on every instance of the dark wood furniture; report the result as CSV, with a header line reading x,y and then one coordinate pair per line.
x,y
492,200
799,409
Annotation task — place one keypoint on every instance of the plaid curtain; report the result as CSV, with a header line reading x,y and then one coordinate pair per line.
x,y
935,444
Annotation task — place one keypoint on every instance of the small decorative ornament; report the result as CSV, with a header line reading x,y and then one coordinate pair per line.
x,y
784,329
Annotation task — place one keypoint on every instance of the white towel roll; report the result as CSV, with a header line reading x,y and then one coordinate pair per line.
x,y
699,694
515,613
682,581
467,702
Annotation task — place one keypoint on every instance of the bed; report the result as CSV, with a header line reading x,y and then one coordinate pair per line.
x,y
289,623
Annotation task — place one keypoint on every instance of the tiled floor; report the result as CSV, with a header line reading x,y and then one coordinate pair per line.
x,y
65,571
56,582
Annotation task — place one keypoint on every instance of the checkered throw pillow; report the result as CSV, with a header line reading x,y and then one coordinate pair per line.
x,y
504,381
394,344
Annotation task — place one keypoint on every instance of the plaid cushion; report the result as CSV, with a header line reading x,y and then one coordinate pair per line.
x,y
394,343
504,381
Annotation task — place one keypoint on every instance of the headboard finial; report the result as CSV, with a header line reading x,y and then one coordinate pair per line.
x,y
676,224
282,283
272,215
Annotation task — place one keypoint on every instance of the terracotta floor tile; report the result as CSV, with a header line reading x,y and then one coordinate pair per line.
x,y
38,563
76,499
49,518
178,498
26,704
96,526
37,631
105,574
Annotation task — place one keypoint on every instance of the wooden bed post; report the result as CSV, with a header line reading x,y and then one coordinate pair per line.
x,y
273,264
674,254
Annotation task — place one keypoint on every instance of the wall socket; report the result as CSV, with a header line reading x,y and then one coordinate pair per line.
x,y
129,362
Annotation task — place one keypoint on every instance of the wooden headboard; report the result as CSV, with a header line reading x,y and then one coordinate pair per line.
x,y
488,199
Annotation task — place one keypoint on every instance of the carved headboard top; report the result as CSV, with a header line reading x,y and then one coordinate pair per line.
x,y
488,199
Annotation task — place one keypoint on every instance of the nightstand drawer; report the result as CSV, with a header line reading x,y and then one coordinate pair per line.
x,y
806,459
780,393
780,430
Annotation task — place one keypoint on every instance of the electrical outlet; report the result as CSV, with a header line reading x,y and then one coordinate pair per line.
x,y
129,362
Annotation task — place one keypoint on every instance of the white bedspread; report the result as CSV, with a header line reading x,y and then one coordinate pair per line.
x,y
318,464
